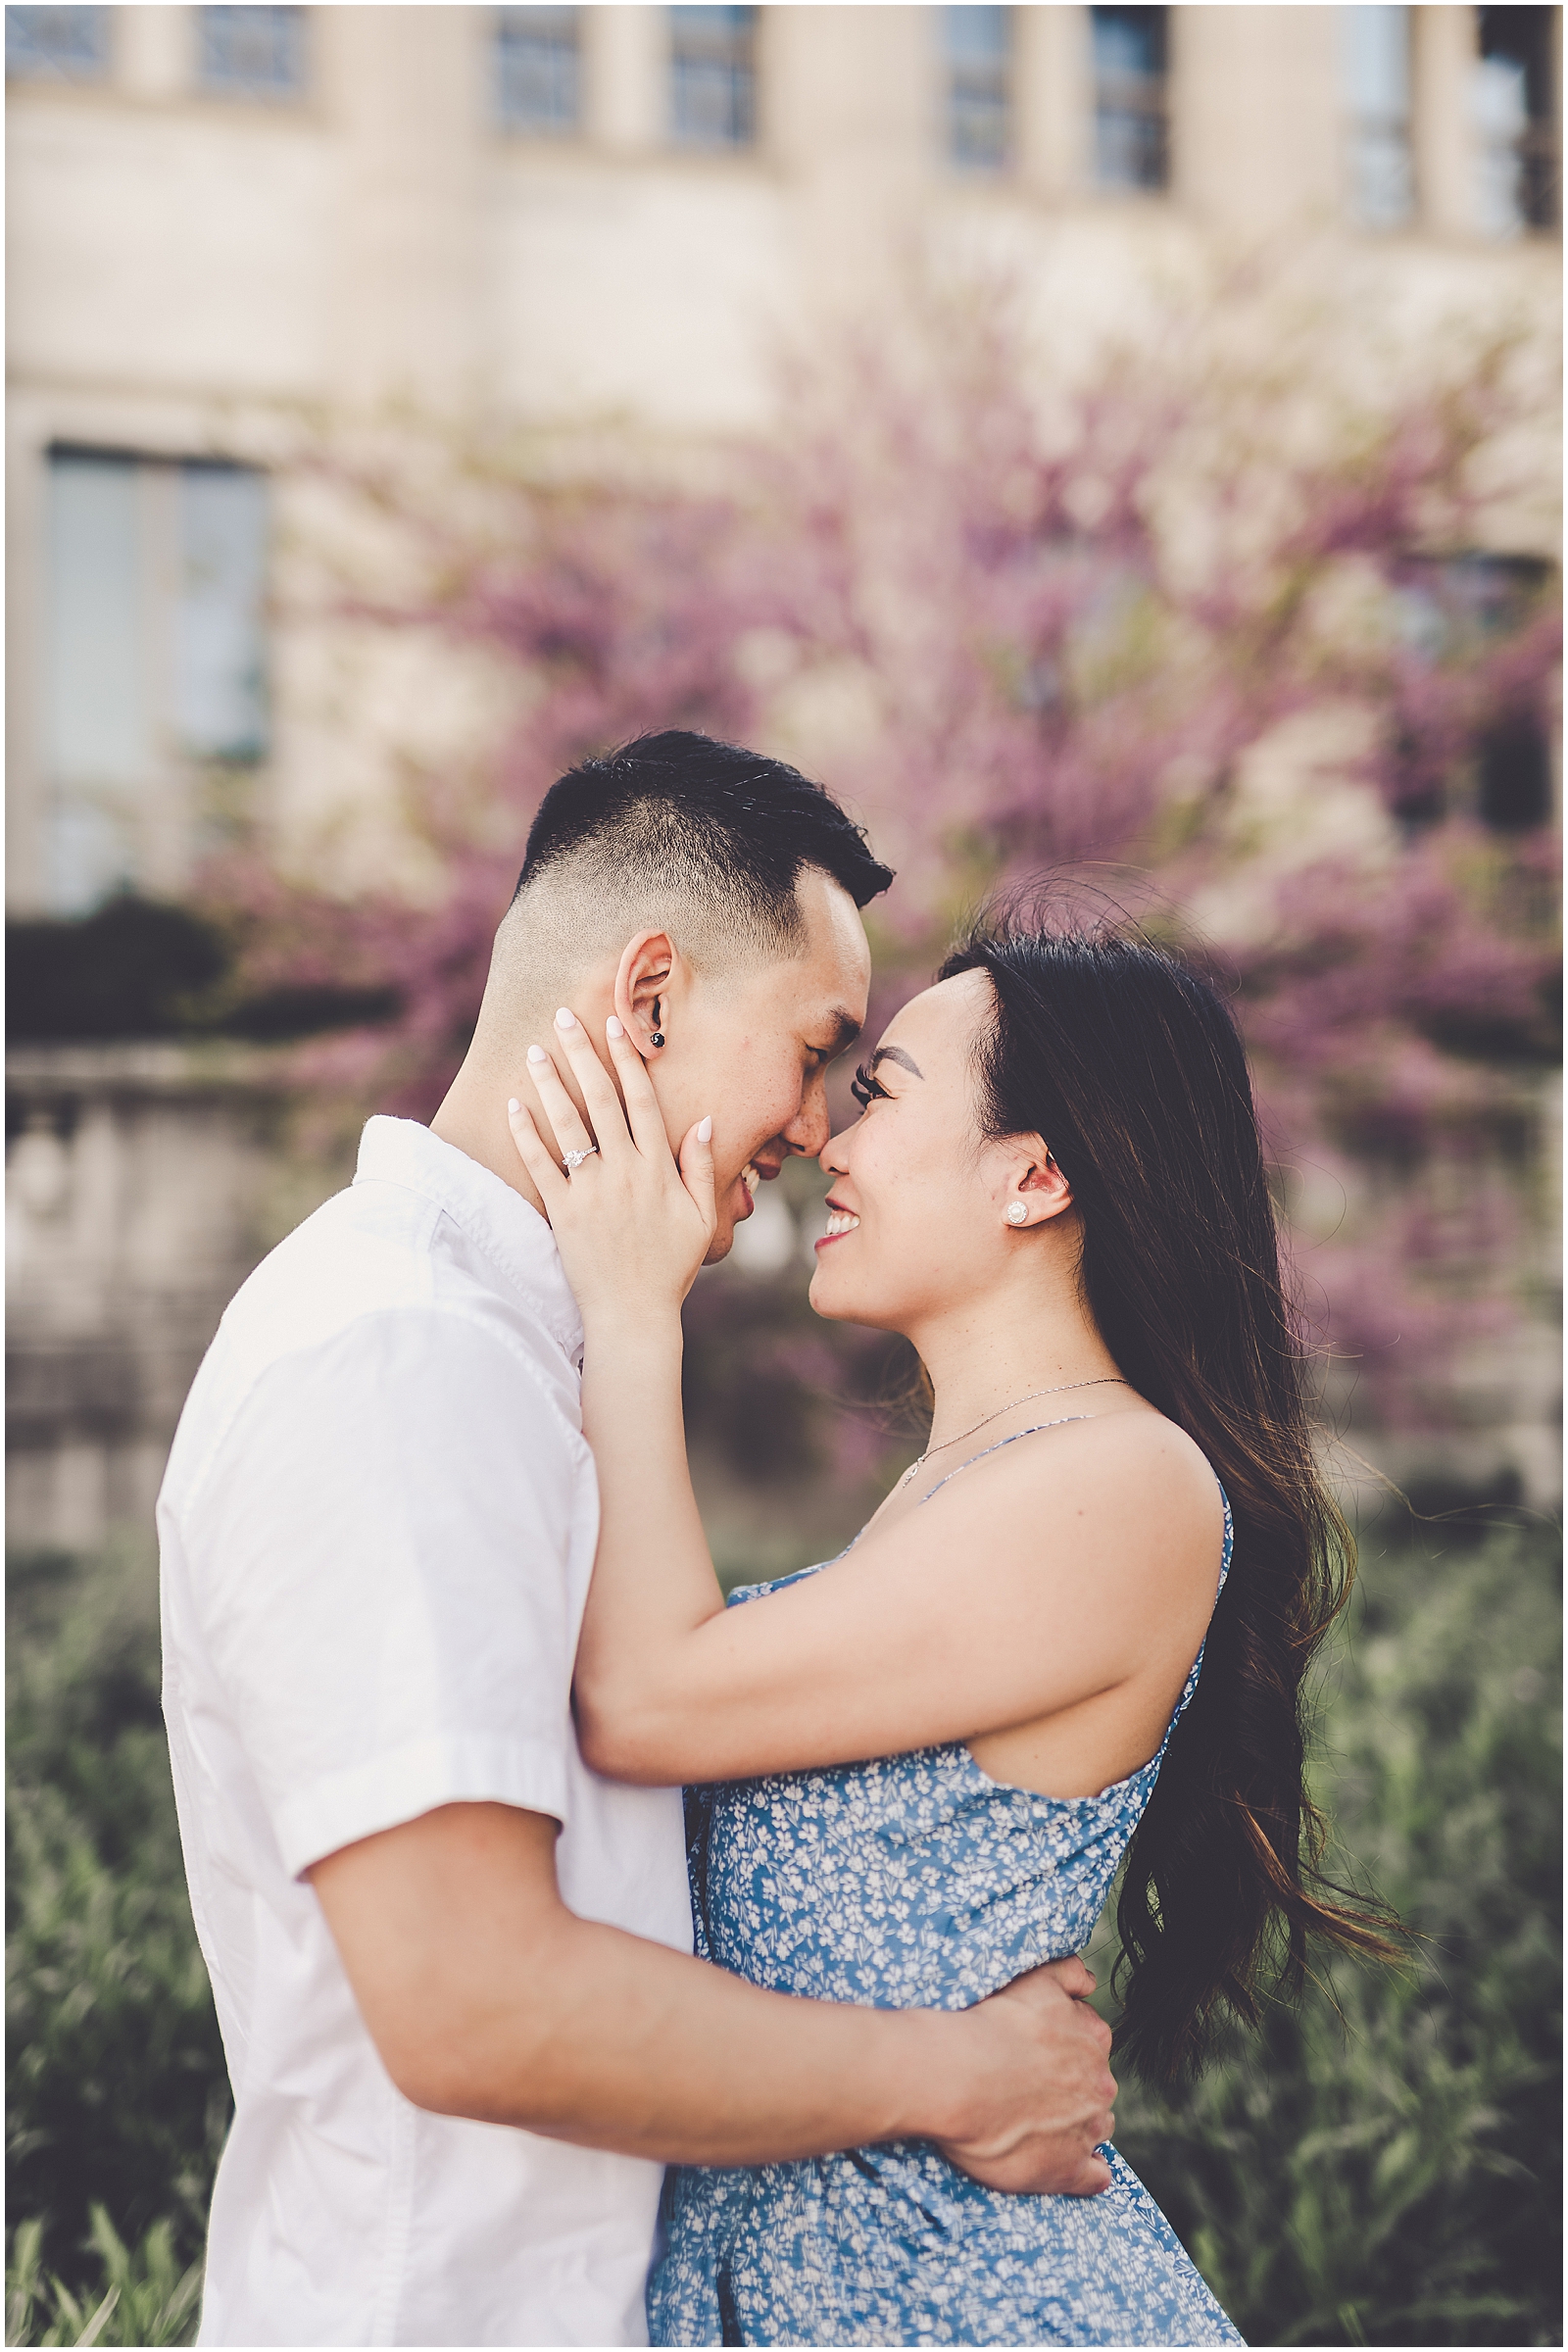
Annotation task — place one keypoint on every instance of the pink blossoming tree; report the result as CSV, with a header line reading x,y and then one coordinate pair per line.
x,y
1238,653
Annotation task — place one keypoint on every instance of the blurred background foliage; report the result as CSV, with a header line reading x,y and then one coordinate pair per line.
x,y
1378,2167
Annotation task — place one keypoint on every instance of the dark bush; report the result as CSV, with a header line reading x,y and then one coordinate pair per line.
x,y
133,969
140,970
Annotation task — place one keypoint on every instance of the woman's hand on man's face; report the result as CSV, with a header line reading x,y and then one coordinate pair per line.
x,y
632,1227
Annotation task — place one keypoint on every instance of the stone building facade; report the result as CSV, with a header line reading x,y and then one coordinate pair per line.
x,y
229,223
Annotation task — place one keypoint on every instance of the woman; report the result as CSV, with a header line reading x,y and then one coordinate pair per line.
x,y
920,1764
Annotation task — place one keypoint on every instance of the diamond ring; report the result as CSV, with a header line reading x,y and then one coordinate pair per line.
x,y
574,1159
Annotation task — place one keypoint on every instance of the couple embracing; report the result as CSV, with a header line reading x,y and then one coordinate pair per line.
x,y
443,1641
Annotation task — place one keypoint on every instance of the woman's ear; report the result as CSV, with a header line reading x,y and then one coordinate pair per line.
x,y
1035,1186
649,973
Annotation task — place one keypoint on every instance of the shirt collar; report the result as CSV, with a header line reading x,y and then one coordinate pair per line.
x,y
514,1236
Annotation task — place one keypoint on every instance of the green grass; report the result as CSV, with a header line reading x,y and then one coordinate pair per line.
x,y
1380,2166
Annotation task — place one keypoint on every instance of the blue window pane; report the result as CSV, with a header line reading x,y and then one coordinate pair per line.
x,y
219,687
1376,50
977,50
154,613
252,52
712,77
57,44
1131,136
1501,121
97,720
536,59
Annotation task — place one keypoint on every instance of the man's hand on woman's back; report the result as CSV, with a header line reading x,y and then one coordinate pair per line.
x,y
1036,2124
487,1998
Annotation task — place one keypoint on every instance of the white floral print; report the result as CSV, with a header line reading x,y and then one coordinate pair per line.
x,y
907,1882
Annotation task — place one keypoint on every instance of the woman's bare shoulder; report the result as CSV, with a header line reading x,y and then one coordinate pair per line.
x,y
1132,1482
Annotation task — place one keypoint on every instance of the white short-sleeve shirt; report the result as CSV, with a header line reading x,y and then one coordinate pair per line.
x,y
378,1526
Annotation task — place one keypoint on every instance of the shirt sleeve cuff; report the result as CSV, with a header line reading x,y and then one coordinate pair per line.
x,y
386,1790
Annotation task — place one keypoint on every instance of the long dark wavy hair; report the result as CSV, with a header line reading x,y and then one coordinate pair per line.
x,y
1130,1068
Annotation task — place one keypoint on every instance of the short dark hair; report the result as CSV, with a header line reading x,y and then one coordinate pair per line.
x,y
726,826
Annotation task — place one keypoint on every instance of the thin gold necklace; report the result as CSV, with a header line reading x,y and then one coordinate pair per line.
x,y
1110,1380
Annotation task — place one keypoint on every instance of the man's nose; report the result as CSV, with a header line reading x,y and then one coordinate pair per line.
x,y
809,1131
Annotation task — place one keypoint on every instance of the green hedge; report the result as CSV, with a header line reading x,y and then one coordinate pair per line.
x,y
1382,2165
1378,2168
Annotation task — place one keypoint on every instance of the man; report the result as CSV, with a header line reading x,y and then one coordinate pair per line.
x,y
451,1966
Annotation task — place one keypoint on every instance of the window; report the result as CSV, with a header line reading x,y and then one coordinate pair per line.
x,y
1132,144
1376,52
1453,609
712,77
154,660
537,71
1516,121
57,44
977,50
252,52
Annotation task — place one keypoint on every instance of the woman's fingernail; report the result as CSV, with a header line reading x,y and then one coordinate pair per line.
x,y
537,1053
612,1027
565,1019
705,1131
511,1103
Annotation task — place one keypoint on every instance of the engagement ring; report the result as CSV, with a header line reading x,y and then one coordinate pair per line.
x,y
574,1159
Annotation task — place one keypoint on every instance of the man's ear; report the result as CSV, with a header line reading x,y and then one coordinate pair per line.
x,y
650,970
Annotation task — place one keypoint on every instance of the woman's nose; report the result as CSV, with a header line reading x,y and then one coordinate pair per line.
x,y
830,1160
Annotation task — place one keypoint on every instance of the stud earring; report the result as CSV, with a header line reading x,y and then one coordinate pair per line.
x,y
1016,1214
657,1038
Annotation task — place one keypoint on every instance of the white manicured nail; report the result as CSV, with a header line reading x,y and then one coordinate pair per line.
x,y
612,1027
537,1053
511,1103
565,1019
705,1131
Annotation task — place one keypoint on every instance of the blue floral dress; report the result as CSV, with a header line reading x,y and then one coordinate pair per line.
x,y
911,1882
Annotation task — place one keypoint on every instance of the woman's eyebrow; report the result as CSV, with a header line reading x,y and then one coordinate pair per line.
x,y
906,1061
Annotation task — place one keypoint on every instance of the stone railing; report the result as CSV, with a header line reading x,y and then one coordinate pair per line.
x,y
143,1183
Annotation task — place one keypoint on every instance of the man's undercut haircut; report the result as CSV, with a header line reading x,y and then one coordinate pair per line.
x,y
678,824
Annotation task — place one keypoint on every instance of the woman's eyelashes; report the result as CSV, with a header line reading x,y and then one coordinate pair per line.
x,y
867,1089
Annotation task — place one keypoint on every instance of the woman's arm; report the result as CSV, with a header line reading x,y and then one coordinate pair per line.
x,y
633,1229
961,1619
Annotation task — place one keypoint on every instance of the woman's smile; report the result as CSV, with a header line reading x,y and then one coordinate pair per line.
x,y
840,1221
